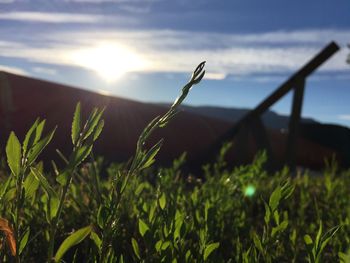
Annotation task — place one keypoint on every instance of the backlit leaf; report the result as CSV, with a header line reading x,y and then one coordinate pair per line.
x,y
275,198
39,147
162,201
43,181
143,227
76,124
24,241
74,239
135,247
30,137
13,153
209,249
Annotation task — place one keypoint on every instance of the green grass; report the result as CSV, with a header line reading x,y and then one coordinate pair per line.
x,y
134,212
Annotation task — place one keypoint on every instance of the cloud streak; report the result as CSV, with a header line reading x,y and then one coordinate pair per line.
x,y
179,51
14,70
46,17
344,117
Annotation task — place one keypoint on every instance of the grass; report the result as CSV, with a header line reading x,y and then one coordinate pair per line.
x,y
135,212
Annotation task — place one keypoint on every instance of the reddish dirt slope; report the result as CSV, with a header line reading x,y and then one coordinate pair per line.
x,y
124,121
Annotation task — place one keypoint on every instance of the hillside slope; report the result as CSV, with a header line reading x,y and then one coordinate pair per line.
x,y
23,99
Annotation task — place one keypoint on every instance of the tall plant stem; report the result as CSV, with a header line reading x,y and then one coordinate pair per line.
x,y
17,213
57,218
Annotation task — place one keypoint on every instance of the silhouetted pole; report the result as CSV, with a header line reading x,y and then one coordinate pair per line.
x,y
6,105
294,121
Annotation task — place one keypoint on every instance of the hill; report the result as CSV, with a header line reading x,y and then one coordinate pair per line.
x,y
23,99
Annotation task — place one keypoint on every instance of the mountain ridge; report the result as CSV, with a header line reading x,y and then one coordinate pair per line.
x,y
271,119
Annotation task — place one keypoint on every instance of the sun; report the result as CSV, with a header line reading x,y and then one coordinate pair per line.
x,y
110,61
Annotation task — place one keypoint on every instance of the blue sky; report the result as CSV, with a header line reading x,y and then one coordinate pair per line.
x,y
146,49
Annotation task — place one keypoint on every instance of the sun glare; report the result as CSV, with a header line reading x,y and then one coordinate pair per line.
x,y
108,60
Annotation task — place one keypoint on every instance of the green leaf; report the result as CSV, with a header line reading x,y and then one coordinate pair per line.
x,y
158,245
179,220
4,187
152,211
319,234
74,239
206,210
308,240
143,227
328,236
98,129
13,153
344,258
76,124
93,121
287,190
147,131
24,241
165,245
30,137
257,243
80,155
97,240
102,216
63,177
30,185
209,249
280,228
149,158
39,147
135,247
39,131
44,183
162,201
275,198
267,216
54,204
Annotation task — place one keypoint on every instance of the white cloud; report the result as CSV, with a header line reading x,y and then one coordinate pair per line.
x,y
7,1
344,117
14,70
45,71
112,1
46,17
214,76
180,51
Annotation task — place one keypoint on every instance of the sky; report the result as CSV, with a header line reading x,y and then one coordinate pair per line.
x,y
146,49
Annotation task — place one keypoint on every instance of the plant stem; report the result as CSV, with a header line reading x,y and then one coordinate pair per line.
x,y
96,181
17,213
57,217
115,204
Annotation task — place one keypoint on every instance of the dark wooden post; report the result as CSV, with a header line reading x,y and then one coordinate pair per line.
x,y
294,123
262,141
6,106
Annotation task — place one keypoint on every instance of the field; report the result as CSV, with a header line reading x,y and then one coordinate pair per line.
x,y
77,210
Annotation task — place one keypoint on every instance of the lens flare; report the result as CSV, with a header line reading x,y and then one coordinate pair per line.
x,y
249,191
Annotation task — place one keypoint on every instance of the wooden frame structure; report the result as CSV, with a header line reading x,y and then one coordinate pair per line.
x,y
252,120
